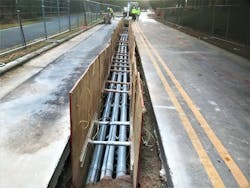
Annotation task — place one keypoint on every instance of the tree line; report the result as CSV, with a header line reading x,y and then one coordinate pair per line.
x,y
31,9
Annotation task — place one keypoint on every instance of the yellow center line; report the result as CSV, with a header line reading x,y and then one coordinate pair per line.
x,y
204,158
224,154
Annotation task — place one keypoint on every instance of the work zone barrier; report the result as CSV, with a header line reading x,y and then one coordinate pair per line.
x,y
26,21
86,104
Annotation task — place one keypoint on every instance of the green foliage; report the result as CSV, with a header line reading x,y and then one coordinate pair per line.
x,y
27,9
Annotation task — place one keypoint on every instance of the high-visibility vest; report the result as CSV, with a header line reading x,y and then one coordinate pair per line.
x,y
133,11
111,10
138,12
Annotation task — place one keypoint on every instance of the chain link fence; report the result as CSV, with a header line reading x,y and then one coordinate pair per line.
x,y
26,21
227,19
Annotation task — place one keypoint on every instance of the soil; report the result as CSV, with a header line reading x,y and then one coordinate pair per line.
x,y
150,164
19,53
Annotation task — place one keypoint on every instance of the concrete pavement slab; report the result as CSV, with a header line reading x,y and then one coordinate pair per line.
x,y
34,110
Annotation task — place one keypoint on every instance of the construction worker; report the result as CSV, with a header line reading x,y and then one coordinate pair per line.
x,y
110,10
134,13
138,12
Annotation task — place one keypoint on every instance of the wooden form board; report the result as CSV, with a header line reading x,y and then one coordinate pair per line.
x,y
137,110
85,103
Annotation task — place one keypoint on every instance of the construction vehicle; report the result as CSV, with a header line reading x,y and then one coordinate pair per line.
x,y
107,18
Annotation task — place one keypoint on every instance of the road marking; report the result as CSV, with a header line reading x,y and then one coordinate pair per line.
x,y
222,151
165,107
204,158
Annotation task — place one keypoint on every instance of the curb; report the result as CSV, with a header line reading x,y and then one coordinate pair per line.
x,y
27,57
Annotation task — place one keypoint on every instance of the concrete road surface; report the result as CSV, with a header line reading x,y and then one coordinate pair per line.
x,y
201,99
34,109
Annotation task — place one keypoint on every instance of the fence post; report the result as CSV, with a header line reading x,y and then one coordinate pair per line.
x,y
20,24
199,19
247,28
69,15
58,14
179,15
213,19
44,20
91,17
228,21
99,11
84,12
21,27
78,20
95,10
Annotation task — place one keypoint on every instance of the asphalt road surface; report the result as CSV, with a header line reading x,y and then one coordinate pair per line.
x,y
201,99
12,36
34,109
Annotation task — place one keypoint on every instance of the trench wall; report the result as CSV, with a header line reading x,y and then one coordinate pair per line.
x,y
85,104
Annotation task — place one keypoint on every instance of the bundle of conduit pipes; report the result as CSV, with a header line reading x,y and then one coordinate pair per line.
x,y
109,161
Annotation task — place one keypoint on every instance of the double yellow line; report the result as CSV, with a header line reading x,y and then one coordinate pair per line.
x,y
204,158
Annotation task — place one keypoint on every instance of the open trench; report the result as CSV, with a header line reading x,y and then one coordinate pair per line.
x,y
111,154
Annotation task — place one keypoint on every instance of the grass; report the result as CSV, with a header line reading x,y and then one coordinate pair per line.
x,y
63,35
11,57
